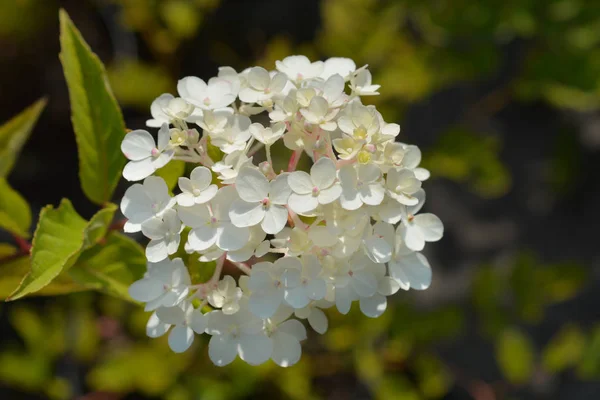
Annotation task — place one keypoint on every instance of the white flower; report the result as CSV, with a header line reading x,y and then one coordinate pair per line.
x,y
226,296
332,90
215,122
320,187
167,108
197,189
262,86
237,334
218,93
267,136
186,321
268,283
355,279
378,242
230,165
142,202
212,225
164,234
338,65
410,269
319,113
361,185
286,335
286,109
401,185
299,68
144,154
261,202
310,287
415,230
234,136
359,122
314,315
361,84
166,284
254,247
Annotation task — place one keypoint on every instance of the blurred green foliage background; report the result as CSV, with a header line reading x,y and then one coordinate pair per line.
x,y
502,96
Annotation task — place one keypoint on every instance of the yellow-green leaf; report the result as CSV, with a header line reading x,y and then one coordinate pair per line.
x,y
111,267
98,225
56,245
96,116
15,215
565,349
14,134
60,237
515,356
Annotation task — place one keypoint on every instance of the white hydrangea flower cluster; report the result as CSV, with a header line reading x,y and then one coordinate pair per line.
x,y
348,230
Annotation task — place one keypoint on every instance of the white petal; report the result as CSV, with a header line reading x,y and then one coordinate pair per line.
x,y
323,173
373,306
302,203
300,182
202,238
364,283
157,250
243,214
431,227
181,338
222,350
297,297
275,219
316,289
343,299
198,322
138,145
255,349
279,190
171,315
138,170
230,237
145,290
155,327
372,194
318,321
378,250
411,271
202,177
252,185
286,349
412,237
293,327
330,194
264,304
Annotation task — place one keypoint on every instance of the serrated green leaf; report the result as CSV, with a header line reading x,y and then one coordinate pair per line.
x,y
15,215
98,225
56,245
111,267
96,117
171,172
60,237
515,356
15,132
12,273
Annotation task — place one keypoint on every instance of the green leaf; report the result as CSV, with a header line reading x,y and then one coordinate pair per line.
x,y
56,245
15,215
96,117
111,267
515,356
98,225
59,239
171,172
12,273
14,134
564,350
